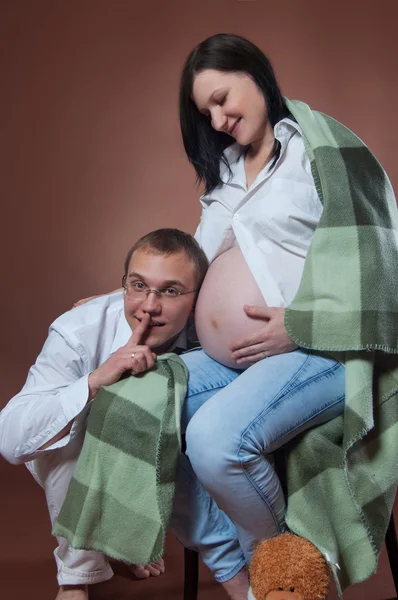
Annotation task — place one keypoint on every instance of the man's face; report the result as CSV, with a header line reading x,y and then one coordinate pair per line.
x,y
168,313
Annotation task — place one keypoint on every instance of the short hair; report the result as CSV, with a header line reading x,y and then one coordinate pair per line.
x,y
168,241
229,53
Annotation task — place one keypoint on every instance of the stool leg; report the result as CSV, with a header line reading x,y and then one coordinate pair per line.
x,y
191,574
392,551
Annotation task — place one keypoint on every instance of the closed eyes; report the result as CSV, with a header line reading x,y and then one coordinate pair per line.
x,y
219,101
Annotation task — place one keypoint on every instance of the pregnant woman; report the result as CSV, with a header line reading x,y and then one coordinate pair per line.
x,y
251,388
298,222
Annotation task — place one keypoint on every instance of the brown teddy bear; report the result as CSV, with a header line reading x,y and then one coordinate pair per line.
x,y
288,567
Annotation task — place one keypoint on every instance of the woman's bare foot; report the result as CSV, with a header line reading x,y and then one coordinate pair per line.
x,y
152,570
72,592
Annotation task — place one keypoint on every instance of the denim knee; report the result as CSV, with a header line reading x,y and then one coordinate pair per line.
x,y
209,451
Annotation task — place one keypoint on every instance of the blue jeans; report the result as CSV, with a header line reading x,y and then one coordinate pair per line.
x,y
229,497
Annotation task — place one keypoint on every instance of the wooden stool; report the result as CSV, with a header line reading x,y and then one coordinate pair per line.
x,y
191,574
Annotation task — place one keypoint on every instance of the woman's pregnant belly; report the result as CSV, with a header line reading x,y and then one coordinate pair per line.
x,y
219,316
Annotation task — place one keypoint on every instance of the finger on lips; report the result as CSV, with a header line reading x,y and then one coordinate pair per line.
x,y
139,331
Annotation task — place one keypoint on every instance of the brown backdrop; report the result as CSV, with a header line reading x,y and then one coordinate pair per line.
x,y
91,150
91,155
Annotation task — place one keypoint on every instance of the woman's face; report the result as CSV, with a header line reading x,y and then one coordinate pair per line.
x,y
234,104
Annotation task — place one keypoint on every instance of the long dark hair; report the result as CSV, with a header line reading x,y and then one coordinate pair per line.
x,y
222,52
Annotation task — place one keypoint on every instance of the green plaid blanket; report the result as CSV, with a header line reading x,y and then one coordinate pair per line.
x,y
120,497
342,476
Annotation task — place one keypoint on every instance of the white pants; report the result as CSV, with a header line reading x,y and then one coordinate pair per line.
x,y
53,471
196,520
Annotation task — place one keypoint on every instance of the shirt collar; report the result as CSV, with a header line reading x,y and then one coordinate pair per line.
x,y
232,154
123,334
283,132
181,342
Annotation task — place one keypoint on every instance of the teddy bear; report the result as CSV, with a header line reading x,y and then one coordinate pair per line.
x,y
288,567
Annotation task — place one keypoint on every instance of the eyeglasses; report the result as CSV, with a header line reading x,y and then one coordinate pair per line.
x,y
137,289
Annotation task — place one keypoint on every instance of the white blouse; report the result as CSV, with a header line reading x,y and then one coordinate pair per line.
x,y
273,221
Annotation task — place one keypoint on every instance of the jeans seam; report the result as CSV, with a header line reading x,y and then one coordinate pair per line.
x,y
286,391
326,373
260,492
232,572
207,389
286,388
283,393
311,417
244,468
198,488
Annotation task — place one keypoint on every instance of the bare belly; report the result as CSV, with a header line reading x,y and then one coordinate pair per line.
x,y
219,316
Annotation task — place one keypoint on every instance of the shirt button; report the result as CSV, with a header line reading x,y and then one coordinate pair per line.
x,y
236,217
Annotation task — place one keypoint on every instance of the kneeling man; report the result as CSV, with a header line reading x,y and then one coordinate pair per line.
x,y
88,347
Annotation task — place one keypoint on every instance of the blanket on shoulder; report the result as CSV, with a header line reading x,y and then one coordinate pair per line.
x,y
120,497
342,476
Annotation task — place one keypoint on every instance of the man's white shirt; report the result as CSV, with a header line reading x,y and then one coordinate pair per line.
x,y
56,390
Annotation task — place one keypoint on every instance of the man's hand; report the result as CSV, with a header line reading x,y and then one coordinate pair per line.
x,y
131,357
269,340
84,300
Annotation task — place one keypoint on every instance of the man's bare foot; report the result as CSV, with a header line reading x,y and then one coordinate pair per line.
x,y
237,588
72,592
152,570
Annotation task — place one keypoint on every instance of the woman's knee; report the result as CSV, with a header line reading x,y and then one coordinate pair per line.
x,y
208,449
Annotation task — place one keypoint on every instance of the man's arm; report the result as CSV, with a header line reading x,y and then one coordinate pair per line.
x,y
42,414
57,437
132,356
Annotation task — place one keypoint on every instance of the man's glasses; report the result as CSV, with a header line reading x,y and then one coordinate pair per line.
x,y
137,289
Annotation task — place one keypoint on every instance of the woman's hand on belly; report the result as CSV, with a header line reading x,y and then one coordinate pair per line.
x,y
267,341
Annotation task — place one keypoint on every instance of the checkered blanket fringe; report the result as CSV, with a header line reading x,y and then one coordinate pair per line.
x,y
120,497
342,476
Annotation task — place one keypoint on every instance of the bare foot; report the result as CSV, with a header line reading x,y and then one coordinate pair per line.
x,y
72,592
238,587
143,572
